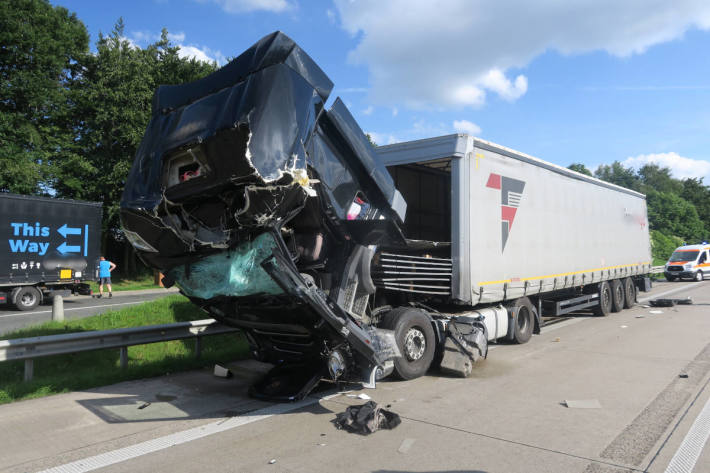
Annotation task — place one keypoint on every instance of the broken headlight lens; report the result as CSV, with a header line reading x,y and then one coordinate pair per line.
x,y
138,242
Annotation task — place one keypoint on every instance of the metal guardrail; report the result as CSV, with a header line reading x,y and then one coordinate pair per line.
x,y
656,269
34,347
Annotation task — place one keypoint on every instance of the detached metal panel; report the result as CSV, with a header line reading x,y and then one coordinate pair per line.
x,y
522,226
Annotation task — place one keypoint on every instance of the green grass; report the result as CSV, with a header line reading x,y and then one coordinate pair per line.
x,y
128,284
63,373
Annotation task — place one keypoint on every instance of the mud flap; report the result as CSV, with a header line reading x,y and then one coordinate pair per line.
x,y
466,342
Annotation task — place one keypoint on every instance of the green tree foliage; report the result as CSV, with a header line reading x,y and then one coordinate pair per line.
x,y
41,48
673,216
580,168
617,174
662,246
657,178
695,192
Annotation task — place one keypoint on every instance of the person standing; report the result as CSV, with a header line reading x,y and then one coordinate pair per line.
x,y
105,268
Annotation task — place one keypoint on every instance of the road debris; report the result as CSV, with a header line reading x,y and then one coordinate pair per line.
x,y
366,419
655,311
623,326
670,302
406,445
144,405
362,396
583,404
272,461
222,372
683,375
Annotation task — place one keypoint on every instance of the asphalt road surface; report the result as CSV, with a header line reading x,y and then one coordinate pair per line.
x,y
75,307
645,370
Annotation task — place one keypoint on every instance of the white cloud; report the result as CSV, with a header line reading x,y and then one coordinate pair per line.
x,y
130,42
368,110
383,138
680,166
203,54
243,6
394,111
177,37
455,53
465,126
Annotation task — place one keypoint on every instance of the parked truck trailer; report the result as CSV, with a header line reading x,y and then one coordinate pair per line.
x,y
51,248
340,262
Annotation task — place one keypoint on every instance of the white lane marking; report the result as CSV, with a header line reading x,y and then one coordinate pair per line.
x,y
672,291
73,308
178,438
689,451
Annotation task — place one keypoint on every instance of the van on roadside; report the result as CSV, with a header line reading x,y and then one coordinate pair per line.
x,y
688,262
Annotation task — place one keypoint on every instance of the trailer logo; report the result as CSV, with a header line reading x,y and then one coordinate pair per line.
x,y
511,190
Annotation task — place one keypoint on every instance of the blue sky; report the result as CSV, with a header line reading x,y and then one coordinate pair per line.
x,y
589,81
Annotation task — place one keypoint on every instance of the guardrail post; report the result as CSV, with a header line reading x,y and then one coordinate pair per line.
x,y
198,346
29,369
124,357
58,308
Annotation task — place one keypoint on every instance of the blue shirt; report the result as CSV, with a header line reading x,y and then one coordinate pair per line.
x,y
104,269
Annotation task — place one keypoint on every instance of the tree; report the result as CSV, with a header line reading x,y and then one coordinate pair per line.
x,y
580,168
369,138
673,215
617,174
655,177
662,246
695,192
40,50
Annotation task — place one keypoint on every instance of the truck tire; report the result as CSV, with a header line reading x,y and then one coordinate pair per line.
x,y
617,296
522,320
26,297
629,293
604,307
698,276
670,278
415,340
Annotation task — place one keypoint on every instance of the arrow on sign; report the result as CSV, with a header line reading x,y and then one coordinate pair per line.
x,y
64,231
64,248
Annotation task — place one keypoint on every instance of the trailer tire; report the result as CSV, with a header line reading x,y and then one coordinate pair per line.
x,y
26,297
522,319
415,339
629,293
617,296
604,307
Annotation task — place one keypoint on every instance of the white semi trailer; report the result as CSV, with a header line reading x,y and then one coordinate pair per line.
x,y
340,261
528,238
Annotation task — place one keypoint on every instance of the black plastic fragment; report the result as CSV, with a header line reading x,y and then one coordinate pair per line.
x,y
366,419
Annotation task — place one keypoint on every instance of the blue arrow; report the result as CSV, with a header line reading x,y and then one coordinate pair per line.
x,y
64,248
64,230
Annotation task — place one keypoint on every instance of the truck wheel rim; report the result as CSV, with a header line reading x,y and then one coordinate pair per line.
x,y
414,344
27,299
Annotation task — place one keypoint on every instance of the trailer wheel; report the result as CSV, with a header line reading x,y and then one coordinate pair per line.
x,y
415,340
523,319
617,296
604,307
25,297
629,293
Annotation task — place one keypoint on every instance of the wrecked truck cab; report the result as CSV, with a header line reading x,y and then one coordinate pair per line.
x,y
266,210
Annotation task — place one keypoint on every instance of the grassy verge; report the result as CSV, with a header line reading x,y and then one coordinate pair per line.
x,y
131,284
56,374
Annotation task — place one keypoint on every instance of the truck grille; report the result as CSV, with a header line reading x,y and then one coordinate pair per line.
x,y
406,273
675,268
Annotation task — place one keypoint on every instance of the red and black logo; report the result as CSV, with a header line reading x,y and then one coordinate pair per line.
x,y
511,191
